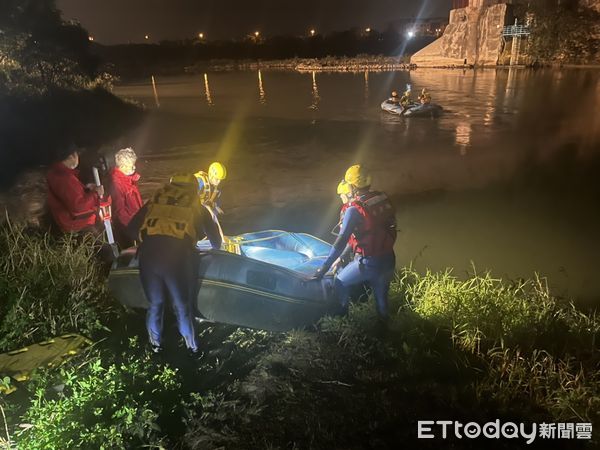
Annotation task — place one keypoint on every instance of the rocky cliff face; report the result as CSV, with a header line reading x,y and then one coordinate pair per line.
x,y
593,4
473,34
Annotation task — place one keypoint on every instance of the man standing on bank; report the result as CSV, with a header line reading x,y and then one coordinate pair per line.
x,y
369,227
172,222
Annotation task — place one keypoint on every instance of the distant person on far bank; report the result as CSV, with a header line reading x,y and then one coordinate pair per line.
x,y
73,205
126,197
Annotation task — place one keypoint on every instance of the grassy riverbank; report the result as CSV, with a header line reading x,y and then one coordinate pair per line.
x,y
479,349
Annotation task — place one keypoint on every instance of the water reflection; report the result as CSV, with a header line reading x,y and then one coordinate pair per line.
x,y
261,91
209,101
509,92
315,92
366,86
155,92
521,171
463,136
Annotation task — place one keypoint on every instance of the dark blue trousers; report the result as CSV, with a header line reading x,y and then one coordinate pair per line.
x,y
167,272
378,271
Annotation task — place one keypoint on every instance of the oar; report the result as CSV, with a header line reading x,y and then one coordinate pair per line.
x,y
105,216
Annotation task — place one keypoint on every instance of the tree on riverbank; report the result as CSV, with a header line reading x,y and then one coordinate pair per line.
x,y
39,51
562,32
51,92
172,57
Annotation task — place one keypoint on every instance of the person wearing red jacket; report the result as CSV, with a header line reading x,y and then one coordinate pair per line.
x,y
126,198
73,205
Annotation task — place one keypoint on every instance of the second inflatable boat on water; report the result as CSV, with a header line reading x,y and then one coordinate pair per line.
x,y
413,110
264,281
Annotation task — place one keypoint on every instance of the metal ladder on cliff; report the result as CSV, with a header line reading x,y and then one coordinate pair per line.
x,y
517,32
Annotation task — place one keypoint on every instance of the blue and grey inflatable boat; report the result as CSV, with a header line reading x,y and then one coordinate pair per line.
x,y
413,110
263,281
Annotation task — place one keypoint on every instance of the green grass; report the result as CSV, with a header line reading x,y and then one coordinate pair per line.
x,y
48,287
102,402
477,349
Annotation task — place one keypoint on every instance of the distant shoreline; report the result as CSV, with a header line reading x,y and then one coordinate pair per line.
x,y
361,63
333,64
350,64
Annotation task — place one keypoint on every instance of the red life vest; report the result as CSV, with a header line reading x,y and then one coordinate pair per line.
x,y
377,233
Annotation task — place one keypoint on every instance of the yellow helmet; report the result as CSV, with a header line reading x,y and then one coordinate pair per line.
x,y
183,179
358,176
344,188
217,172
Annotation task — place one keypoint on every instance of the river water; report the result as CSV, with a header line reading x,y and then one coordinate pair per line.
x,y
505,180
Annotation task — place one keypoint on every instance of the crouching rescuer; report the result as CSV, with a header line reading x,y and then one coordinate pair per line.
x,y
369,228
171,224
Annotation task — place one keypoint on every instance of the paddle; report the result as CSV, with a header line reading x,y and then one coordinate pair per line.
x,y
104,213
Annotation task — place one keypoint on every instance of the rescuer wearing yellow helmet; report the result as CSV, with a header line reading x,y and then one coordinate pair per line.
x,y
208,190
425,97
369,228
208,182
344,190
405,100
394,98
170,225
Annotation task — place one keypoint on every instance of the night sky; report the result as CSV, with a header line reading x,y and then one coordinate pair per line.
x,y
121,21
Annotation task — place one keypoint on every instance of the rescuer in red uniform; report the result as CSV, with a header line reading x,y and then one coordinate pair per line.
x,y
369,227
73,205
126,198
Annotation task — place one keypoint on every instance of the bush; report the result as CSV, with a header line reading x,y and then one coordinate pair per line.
x,y
100,404
485,310
564,32
49,287
469,349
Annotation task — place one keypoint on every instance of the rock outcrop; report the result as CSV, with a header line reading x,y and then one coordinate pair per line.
x,y
592,4
473,36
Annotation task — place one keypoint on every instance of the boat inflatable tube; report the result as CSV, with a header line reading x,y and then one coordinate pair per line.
x,y
413,110
264,281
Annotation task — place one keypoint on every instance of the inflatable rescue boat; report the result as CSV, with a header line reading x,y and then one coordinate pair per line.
x,y
264,281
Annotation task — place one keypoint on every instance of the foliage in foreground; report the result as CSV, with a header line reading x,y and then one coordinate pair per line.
x,y
104,402
474,350
48,287
478,349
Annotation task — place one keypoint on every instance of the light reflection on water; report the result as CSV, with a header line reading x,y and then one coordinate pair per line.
x,y
262,98
463,136
505,178
209,101
315,92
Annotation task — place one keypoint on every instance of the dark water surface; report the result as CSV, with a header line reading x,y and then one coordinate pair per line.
x,y
506,179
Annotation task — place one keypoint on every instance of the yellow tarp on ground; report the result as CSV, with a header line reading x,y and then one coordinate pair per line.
x,y
19,364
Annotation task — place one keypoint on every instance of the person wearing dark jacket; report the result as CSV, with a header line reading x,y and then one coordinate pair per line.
x,y
126,197
170,225
73,205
